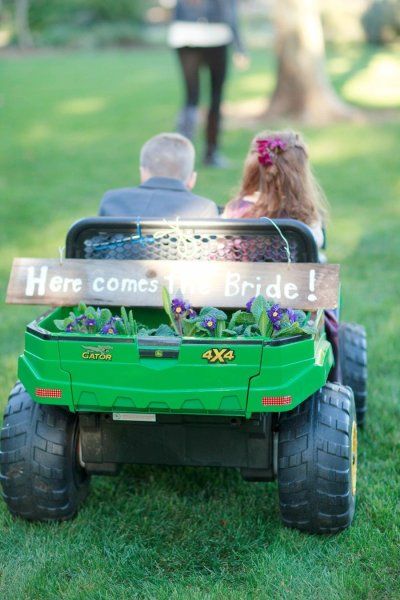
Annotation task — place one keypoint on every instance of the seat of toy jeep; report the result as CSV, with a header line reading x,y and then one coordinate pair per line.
x,y
243,240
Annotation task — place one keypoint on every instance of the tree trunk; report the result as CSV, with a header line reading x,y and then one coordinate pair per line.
x,y
303,91
22,24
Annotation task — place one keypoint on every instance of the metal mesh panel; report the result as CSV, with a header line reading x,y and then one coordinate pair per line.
x,y
195,246
214,239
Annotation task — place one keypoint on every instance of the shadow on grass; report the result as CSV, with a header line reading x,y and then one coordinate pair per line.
x,y
365,55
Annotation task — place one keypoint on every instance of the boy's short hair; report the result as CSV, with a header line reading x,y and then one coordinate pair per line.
x,y
168,155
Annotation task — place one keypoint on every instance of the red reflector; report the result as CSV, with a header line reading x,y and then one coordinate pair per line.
x,y
276,400
48,393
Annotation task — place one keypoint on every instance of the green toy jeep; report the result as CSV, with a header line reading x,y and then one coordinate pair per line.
x,y
271,407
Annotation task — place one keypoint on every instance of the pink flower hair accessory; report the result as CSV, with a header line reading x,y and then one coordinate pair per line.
x,y
268,148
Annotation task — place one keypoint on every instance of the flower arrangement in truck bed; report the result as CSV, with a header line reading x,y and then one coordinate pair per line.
x,y
259,318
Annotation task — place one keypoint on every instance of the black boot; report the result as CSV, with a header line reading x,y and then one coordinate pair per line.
x,y
187,122
212,157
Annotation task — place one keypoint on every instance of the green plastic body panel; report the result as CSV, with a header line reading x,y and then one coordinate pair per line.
x,y
110,374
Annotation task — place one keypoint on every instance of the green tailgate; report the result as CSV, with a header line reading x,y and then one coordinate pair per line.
x,y
164,378
237,377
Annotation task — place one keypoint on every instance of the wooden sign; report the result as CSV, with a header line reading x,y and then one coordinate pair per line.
x,y
139,283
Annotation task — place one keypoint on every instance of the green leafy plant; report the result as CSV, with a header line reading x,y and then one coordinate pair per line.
x,y
210,322
261,318
90,320
168,307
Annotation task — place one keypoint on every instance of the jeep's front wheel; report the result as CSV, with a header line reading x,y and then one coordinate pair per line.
x,y
317,461
40,473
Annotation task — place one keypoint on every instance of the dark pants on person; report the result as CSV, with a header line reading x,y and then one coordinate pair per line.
x,y
215,59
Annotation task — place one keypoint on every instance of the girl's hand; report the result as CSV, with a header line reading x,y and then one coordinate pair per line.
x,y
241,61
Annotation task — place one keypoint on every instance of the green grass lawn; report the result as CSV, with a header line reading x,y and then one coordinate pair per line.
x,y
72,126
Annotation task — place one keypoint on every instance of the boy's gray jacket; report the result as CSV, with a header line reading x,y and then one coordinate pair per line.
x,y
211,11
158,197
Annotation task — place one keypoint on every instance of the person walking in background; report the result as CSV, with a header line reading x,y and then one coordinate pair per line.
x,y
201,32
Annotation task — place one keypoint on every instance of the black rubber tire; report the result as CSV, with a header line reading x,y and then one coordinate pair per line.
x,y
353,365
315,462
39,469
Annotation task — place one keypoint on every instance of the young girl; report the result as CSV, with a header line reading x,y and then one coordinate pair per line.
x,y
278,183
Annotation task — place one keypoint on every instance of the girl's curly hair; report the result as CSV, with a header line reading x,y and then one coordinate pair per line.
x,y
277,166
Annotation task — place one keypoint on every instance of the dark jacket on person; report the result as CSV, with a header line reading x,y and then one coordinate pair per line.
x,y
158,197
211,11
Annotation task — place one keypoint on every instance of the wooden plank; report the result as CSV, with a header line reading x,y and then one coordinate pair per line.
x,y
139,283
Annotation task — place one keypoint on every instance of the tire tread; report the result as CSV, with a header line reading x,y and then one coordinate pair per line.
x,y
37,470
315,481
353,364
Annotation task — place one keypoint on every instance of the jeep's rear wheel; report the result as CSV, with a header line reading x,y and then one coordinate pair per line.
x,y
353,364
40,472
317,461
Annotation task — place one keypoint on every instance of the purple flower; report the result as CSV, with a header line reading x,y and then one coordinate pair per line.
x,y
90,322
108,329
292,316
191,313
69,328
249,304
209,323
275,313
178,307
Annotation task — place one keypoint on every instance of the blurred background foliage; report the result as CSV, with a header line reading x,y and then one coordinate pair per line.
x,y
104,23
381,21
76,23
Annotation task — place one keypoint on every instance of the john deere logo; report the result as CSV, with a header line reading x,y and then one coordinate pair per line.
x,y
217,355
97,353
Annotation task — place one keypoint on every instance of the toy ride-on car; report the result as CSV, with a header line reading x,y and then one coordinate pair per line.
x,y
270,406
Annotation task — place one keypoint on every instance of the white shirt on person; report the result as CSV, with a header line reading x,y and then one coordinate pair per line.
x,y
199,34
